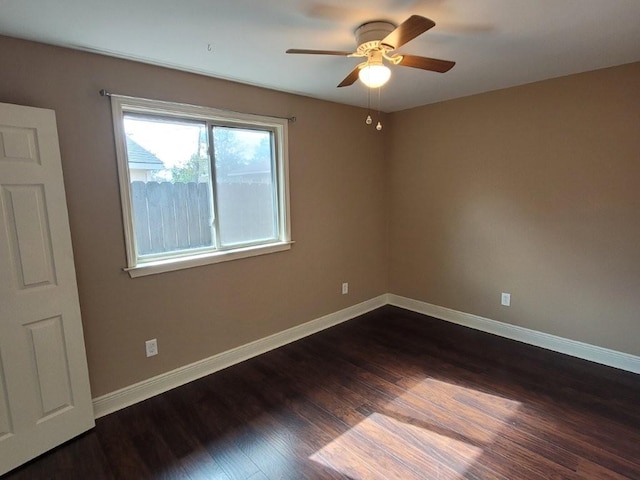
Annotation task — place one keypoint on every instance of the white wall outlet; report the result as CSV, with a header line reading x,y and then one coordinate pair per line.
x,y
506,299
345,288
151,346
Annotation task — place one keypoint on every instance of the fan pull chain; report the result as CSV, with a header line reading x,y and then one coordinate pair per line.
x,y
379,125
369,120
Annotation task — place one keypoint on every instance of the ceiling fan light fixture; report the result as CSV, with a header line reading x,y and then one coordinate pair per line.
x,y
374,75
378,41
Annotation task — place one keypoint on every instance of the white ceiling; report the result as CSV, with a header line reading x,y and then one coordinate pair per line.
x,y
495,43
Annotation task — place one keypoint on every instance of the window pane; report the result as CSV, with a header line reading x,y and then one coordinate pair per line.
x,y
245,185
170,184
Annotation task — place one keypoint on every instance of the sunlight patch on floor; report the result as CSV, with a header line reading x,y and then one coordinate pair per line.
x,y
431,387
418,435
372,448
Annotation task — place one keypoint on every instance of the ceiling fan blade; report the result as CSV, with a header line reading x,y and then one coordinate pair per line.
x,y
351,78
425,63
407,31
319,52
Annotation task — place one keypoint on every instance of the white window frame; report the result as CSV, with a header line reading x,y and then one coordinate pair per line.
x,y
139,267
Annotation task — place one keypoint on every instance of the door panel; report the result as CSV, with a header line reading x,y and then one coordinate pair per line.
x,y
5,415
29,235
51,366
18,144
44,385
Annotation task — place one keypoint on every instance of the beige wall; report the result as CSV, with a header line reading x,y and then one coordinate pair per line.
x,y
338,212
533,190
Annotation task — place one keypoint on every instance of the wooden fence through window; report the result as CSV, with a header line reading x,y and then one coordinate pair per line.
x,y
178,216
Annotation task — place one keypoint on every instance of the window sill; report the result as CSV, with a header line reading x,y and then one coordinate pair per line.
x,y
173,264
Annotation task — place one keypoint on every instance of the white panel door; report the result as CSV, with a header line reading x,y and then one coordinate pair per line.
x,y
44,384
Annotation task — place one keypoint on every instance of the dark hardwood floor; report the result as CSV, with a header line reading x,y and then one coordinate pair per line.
x,y
390,395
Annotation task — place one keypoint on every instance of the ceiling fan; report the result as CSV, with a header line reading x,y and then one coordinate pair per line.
x,y
376,41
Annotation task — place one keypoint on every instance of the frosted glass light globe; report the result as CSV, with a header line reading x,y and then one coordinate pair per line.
x,y
374,76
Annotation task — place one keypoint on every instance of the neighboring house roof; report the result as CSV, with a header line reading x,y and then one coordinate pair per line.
x,y
141,158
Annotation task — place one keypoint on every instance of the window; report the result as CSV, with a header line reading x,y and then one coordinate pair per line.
x,y
199,185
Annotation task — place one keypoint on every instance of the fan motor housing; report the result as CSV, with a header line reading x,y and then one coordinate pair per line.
x,y
368,35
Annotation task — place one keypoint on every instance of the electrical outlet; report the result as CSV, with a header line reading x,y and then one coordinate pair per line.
x,y
345,288
151,346
506,299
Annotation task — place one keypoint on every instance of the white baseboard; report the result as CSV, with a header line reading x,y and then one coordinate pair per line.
x,y
138,392
604,356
